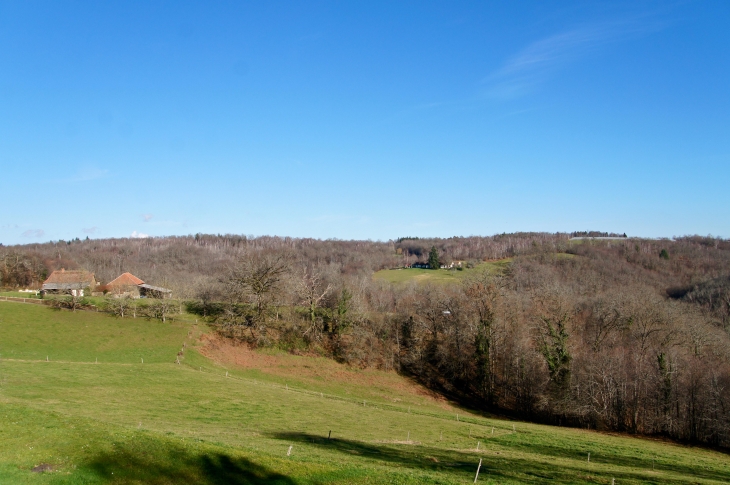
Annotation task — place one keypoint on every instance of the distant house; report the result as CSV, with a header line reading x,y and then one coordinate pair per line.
x,y
72,282
127,284
420,264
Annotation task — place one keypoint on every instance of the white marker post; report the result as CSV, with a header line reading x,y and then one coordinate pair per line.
x,y
478,468
288,453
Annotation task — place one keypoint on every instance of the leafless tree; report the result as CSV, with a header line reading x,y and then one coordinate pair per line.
x,y
160,309
119,306
311,292
252,285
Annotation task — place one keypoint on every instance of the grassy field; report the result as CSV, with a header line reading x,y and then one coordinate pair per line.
x,y
18,294
229,415
405,275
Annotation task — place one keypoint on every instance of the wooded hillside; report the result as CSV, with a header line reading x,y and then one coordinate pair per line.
x,y
629,335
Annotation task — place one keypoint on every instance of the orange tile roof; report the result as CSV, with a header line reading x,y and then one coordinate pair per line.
x,y
126,279
73,276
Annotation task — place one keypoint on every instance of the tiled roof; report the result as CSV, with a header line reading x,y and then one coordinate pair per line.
x,y
73,276
156,288
126,279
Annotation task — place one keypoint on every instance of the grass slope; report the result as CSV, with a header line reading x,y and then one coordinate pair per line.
x,y
122,421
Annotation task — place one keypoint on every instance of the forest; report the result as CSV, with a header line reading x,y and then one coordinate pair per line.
x,y
628,335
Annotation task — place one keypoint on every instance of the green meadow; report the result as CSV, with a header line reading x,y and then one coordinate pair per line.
x,y
112,405
438,276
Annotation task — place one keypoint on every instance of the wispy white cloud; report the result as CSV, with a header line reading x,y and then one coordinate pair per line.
x,y
138,235
90,230
147,217
35,233
537,62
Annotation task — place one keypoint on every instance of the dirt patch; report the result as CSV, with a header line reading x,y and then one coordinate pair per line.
x,y
315,370
42,468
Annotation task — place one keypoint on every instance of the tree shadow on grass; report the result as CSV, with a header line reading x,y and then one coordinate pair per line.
x,y
180,467
418,457
497,466
623,460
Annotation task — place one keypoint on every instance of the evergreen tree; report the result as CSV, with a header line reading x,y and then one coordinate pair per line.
x,y
433,258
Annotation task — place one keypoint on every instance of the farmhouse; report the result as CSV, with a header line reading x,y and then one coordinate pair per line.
x,y
69,282
127,284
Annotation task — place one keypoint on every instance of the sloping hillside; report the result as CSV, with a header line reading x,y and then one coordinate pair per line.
x,y
241,417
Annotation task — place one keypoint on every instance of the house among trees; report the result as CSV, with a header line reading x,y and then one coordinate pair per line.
x,y
427,265
129,285
72,282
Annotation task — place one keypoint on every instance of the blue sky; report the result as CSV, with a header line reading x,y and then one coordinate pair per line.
x,y
367,120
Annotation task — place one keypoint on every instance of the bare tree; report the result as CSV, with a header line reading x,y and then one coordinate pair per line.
x,y
119,306
483,296
252,285
160,309
310,291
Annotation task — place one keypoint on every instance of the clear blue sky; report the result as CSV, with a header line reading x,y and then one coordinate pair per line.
x,y
367,120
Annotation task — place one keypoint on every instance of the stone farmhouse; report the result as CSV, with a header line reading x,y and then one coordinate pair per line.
x,y
72,282
129,285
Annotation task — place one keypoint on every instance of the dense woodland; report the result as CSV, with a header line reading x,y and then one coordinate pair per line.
x,y
627,335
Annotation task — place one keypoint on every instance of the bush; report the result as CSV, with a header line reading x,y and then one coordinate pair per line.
x,y
160,309
70,302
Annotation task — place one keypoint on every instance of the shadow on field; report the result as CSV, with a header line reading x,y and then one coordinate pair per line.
x,y
420,457
502,466
180,468
637,462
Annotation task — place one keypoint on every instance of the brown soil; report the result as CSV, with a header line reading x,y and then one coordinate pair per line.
x,y
316,370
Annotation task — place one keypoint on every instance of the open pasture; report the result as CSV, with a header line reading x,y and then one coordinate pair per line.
x,y
438,276
213,419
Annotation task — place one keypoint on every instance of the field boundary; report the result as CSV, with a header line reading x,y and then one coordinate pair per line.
x,y
16,299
